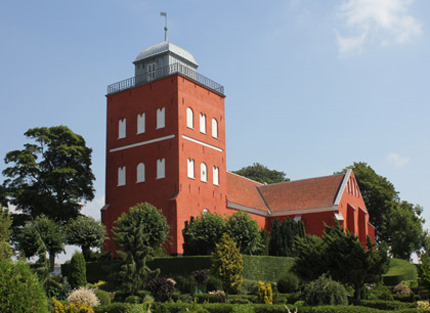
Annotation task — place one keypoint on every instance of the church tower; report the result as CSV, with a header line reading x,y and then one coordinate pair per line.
x,y
165,141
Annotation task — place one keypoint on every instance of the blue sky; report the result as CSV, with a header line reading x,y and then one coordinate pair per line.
x,y
312,86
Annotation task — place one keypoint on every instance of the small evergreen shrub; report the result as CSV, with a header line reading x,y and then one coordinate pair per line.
x,y
213,283
186,284
133,299
78,271
161,288
423,306
83,295
121,308
386,305
71,307
103,296
201,276
265,293
380,292
402,289
288,282
324,290
20,290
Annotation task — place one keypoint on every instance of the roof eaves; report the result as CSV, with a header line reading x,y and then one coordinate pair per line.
x,y
342,187
307,211
237,206
254,181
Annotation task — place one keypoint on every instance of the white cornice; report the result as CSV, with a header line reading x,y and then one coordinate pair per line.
x,y
142,143
342,187
307,211
232,205
201,143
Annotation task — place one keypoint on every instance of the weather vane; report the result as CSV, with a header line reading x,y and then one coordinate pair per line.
x,y
165,27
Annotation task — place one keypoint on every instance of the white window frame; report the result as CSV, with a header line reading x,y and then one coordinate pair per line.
x,y
203,172
122,128
121,176
140,173
215,175
190,168
202,123
150,70
161,168
141,123
161,117
214,128
190,118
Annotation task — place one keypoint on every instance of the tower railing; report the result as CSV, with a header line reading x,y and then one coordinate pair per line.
x,y
175,68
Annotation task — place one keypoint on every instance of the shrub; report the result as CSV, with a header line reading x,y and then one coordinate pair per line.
x,y
20,291
83,295
324,290
133,299
213,283
78,272
103,296
120,308
265,293
201,276
402,289
161,288
288,282
380,292
71,307
386,305
423,306
186,284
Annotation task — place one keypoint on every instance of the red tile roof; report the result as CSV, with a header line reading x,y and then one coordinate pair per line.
x,y
313,193
243,191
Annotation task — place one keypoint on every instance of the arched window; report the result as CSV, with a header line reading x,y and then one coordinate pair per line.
x,y
121,128
190,168
141,123
140,173
202,123
161,117
121,176
214,128
190,118
215,174
161,168
203,172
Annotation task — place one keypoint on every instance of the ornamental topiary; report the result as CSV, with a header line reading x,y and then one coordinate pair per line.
x,y
288,283
402,289
83,295
78,272
264,293
161,288
20,290
103,296
325,291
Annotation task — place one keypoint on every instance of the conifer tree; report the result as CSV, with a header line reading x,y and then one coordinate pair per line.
x,y
227,264
78,271
5,232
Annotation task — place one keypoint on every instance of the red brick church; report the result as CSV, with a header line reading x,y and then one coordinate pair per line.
x,y
165,144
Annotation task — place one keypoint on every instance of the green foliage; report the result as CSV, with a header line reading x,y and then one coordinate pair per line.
x,y
20,290
39,236
78,271
398,271
120,308
342,256
5,232
71,307
406,229
387,305
161,288
283,237
202,233
267,268
288,282
50,176
213,283
262,174
243,229
325,291
264,241
264,293
186,284
227,264
85,232
424,271
138,233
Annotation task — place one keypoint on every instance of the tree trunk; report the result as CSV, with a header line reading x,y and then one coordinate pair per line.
x,y
51,261
357,293
86,253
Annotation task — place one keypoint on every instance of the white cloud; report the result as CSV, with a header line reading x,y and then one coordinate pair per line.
x,y
397,160
382,21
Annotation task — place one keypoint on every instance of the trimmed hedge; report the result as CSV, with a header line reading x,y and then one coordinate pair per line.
x,y
387,305
398,271
120,308
265,268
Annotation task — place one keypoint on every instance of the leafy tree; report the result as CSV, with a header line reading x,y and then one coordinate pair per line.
x,y
5,232
50,176
262,174
343,256
3,196
20,291
243,229
78,271
138,233
379,195
227,264
85,232
202,233
424,266
41,236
